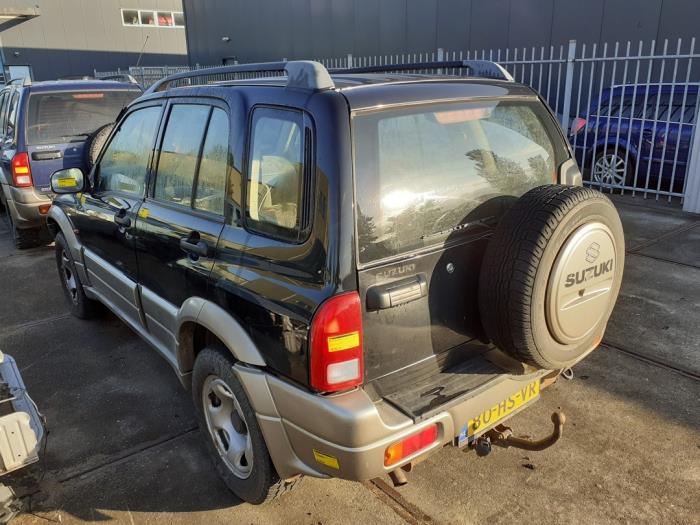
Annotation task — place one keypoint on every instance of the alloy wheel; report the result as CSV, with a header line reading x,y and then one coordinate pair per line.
x,y
227,426
610,170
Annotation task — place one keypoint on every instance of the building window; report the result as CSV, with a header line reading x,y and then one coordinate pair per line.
x,y
165,18
147,18
150,18
130,17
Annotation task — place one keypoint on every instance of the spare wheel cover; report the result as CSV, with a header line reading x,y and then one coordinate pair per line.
x,y
580,286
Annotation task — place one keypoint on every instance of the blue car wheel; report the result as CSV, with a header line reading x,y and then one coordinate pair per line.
x,y
610,169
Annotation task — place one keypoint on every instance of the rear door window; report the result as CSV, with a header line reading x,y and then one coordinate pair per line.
x,y
179,152
423,173
193,160
213,167
70,116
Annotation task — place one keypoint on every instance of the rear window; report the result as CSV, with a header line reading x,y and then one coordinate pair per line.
x,y
425,173
72,116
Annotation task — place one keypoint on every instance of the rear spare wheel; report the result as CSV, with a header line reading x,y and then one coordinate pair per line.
x,y
95,142
551,275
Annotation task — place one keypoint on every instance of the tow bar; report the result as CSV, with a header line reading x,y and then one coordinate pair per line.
x,y
502,436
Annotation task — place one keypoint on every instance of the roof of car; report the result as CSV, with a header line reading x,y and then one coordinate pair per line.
x,y
70,85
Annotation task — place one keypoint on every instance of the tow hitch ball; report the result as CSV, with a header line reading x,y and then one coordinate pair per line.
x,y
502,436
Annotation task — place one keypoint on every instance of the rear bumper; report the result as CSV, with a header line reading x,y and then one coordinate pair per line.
x,y
25,204
345,436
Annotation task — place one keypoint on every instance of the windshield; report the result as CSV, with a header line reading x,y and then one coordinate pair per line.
x,y
72,116
422,173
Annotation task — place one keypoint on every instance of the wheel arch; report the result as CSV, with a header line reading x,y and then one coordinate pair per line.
x,y
201,322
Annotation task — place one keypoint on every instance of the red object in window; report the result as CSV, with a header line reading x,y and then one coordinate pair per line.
x,y
337,361
577,125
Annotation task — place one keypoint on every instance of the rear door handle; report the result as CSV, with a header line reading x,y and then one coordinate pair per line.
x,y
393,294
194,246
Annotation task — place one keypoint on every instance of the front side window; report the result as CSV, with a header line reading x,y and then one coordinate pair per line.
x,y
124,163
276,173
423,173
179,152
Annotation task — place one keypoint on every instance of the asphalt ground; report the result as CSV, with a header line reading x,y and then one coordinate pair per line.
x,y
123,445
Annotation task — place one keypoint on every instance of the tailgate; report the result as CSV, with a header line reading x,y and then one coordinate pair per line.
x,y
420,307
432,181
45,159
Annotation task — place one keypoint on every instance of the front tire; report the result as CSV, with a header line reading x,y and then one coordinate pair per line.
x,y
80,305
234,440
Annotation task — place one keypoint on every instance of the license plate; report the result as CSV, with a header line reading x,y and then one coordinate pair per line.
x,y
489,418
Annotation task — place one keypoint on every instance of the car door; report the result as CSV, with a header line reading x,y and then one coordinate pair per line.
x,y
180,222
106,214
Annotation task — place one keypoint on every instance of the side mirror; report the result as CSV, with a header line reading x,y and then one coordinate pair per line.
x,y
70,180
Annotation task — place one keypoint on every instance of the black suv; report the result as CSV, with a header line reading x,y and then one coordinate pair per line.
x,y
350,270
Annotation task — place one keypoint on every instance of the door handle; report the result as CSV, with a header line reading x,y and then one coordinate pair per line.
x,y
393,294
121,219
194,246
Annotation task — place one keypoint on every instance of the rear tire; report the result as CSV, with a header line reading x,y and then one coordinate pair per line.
x,y
26,238
234,440
551,275
95,142
80,305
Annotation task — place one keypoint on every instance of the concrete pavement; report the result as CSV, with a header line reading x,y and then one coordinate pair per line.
x,y
123,446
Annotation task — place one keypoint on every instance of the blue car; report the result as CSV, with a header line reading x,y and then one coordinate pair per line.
x,y
637,136
44,128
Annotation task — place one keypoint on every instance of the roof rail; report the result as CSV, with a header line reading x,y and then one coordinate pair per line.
x,y
24,81
478,68
303,74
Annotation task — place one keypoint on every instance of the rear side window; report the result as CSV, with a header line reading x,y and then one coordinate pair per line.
x,y
424,173
276,174
3,112
124,163
11,124
57,118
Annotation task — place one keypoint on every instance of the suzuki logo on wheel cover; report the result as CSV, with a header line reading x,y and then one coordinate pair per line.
x,y
592,252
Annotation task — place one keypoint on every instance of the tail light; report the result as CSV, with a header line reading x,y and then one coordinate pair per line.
x,y
578,125
410,445
337,361
21,172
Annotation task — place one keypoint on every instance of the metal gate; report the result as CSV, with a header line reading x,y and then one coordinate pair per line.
x,y
628,110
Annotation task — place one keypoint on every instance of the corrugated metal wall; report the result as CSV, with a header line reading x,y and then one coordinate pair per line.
x,y
73,37
274,29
